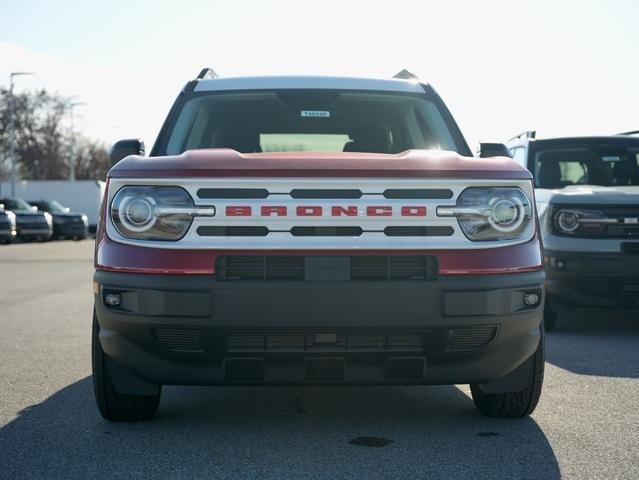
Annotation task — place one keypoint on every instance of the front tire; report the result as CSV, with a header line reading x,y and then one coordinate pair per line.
x,y
514,404
114,406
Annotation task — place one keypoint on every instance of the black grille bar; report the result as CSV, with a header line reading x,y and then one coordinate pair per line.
x,y
325,193
299,268
410,231
232,231
326,231
418,193
233,193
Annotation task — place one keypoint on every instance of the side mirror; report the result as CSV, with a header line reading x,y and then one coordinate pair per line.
x,y
124,148
67,209
34,208
494,150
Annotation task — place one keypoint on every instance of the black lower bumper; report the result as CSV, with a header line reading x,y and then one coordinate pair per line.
x,y
196,330
587,279
7,234
35,233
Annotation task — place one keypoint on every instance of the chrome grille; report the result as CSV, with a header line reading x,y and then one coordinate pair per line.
x,y
300,213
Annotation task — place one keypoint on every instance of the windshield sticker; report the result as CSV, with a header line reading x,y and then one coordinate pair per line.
x,y
316,113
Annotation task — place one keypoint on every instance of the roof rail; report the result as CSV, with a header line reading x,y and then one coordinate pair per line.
x,y
406,75
207,73
524,135
633,132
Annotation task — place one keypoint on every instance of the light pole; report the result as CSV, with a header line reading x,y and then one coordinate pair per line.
x,y
72,141
12,129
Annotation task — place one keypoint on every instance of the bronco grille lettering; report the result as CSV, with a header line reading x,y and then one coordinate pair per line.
x,y
318,211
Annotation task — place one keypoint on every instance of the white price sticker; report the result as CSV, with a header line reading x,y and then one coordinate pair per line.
x,y
316,113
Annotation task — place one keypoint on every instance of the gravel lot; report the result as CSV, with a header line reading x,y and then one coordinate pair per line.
x,y
586,426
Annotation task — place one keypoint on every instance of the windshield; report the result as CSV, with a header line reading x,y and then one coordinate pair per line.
x,y
595,164
15,204
51,206
310,120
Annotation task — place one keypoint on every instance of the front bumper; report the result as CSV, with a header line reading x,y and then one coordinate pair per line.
x,y
198,330
591,279
7,233
44,233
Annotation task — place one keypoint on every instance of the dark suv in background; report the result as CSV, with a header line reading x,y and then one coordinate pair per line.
x,y
66,224
587,195
30,223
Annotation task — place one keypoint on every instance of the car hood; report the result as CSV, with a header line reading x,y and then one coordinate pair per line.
x,y
589,195
223,162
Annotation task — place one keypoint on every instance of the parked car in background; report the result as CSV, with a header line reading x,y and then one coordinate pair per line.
x,y
79,195
66,224
587,193
30,223
7,225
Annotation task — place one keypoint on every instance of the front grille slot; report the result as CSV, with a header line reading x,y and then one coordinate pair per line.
x,y
274,268
303,341
418,193
392,268
179,339
326,231
233,193
466,339
418,231
232,231
298,268
325,193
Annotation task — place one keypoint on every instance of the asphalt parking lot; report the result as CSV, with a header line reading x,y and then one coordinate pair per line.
x,y
586,426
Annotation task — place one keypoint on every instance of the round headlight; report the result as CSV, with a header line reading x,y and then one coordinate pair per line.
x,y
136,213
507,214
567,221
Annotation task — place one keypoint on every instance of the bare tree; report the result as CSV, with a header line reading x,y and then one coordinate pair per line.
x,y
43,141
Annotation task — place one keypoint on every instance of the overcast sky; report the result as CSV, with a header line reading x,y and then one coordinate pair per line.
x,y
560,67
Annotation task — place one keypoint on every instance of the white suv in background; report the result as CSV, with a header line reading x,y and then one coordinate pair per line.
x,y
587,195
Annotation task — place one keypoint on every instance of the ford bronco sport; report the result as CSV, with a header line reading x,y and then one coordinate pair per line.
x,y
587,191
315,231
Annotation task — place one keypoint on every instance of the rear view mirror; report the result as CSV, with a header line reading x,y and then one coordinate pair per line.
x,y
494,150
124,148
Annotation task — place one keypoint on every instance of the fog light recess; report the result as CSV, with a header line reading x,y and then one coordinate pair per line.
x,y
113,299
531,299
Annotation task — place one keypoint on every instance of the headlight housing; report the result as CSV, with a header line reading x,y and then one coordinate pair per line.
x,y
579,221
154,212
491,213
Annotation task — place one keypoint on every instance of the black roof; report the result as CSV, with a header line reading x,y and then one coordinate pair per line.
x,y
609,139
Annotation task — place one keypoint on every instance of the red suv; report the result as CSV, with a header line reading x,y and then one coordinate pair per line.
x,y
316,231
